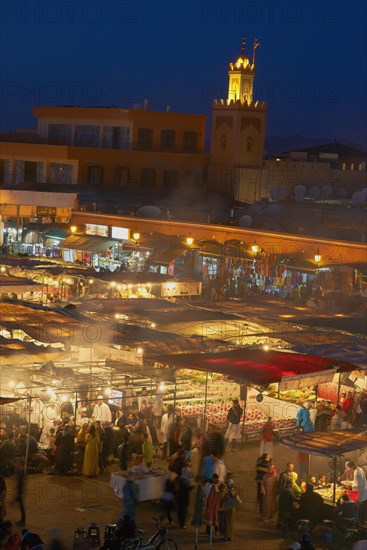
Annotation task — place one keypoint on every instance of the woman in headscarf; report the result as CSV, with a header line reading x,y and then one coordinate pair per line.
x,y
91,455
269,489
303,418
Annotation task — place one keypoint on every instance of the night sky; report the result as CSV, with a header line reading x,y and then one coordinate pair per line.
x,y
311,65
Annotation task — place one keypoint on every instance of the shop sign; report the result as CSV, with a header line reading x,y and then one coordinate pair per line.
x,y
305,380
120,233
45,211
98,230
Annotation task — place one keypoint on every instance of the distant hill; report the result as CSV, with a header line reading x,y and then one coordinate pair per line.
x,y
274,145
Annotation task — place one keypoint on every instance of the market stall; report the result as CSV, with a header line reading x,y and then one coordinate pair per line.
x,y
213,380
327,444
150,482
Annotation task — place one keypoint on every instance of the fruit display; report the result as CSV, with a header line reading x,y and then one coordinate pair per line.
x,y
216,415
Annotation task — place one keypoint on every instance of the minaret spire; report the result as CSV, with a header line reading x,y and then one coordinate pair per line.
x,y
243,46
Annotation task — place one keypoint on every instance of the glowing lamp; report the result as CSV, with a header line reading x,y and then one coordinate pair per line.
x,y
136,235
108,391
189,240
162,386
266,347
153,325
73,228
113,283
140,351
317,258
255,248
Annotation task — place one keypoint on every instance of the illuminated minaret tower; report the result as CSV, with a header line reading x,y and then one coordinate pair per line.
x,y
238,129
241,76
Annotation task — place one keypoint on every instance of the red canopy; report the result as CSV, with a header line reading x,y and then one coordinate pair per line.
x,y
255,366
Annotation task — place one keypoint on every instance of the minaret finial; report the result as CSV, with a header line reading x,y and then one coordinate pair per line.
x,y
256,45
243,45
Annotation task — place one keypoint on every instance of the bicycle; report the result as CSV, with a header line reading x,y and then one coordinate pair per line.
x,y
158,541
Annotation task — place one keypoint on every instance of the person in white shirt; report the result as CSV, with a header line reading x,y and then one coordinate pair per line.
x,y
102,411
359,484
143,397
166,426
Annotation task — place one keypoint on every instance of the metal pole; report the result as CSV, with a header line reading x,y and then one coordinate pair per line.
x,y
334,484
244,414
206,397
339,385
29,400
174,398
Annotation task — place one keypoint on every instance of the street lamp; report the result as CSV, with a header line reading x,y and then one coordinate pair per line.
x,y
317,256
189,240
136,235
73,228
255,249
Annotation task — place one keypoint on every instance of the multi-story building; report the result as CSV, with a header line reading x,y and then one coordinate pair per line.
x,y
106,148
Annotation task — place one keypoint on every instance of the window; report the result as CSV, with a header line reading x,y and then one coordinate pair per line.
x,y
168,139
30,171
249,144
190,142
344,166
122,176
60,173
2,170
87,136
360,167
60,133
145,138
95,175
170,179
147,178
352,166
223,141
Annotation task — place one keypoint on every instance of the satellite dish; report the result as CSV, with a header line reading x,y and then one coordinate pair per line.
x,y
358,197
149,212
245,221
273,210
314,192
299,189
326,191
299,197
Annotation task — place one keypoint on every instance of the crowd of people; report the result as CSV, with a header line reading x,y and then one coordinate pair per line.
x,y
284,498
62,440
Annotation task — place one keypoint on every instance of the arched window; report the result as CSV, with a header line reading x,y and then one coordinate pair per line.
x,y
223,141
95,175
352,166
249,144
344,166
122,176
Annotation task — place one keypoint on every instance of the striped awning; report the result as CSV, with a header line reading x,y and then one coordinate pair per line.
x,y
87,243
331,443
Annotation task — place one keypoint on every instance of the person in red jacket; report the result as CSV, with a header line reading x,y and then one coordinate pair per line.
x,y
348,407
